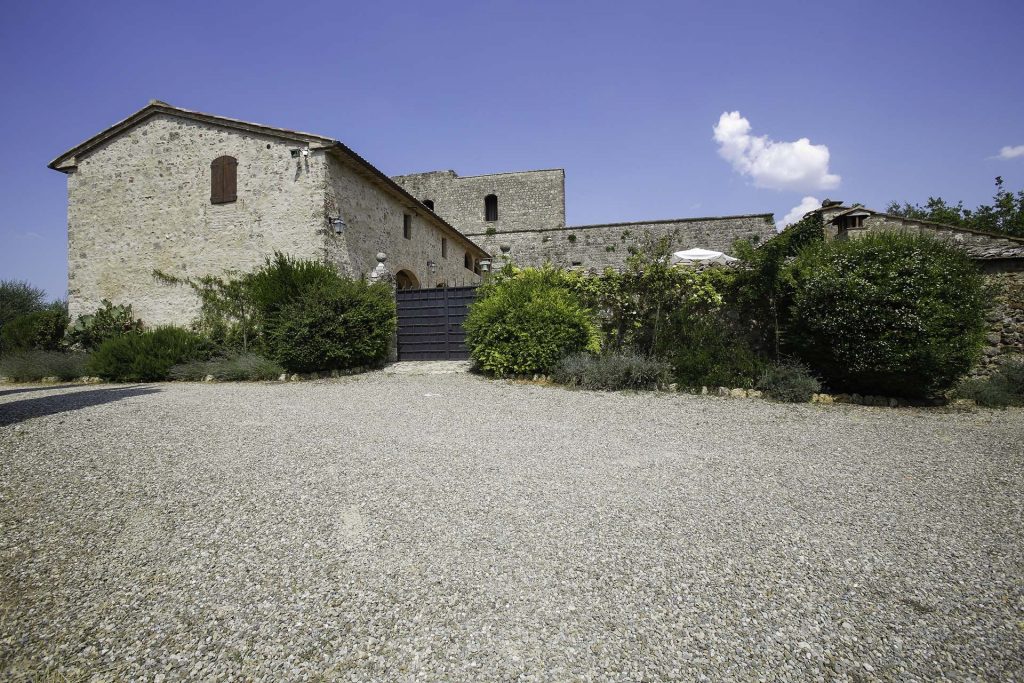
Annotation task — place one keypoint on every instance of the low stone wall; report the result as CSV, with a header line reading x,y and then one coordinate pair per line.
x,y
596,247
1005,336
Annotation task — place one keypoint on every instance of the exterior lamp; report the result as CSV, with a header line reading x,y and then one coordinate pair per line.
x,y
432,266
338,224
485,265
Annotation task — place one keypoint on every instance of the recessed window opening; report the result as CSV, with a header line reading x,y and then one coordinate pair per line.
x,y
444,247
491,207
407,226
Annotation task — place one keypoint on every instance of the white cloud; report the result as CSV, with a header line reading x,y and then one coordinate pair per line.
x,y
797,212
798,166
1011,152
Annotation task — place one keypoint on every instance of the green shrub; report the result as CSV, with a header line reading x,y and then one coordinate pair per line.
x,y
1005,387
711,352
524,322
42,330
788,382
611,372
236,368
147,356
888,313
108,321
283,279
18,298
335,325
32,366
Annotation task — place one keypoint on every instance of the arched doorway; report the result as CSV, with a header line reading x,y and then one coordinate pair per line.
x,y
406,280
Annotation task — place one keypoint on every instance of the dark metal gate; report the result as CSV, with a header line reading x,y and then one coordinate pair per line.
x,y
430,323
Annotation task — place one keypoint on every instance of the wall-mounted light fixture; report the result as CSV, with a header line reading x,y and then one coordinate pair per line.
x,y
338,224
485,265
432,266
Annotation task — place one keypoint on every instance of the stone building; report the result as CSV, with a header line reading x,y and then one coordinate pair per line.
x,y
521,216
1000,258
191,194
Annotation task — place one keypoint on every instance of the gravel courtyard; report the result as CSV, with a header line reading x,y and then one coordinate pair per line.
x,y
443,527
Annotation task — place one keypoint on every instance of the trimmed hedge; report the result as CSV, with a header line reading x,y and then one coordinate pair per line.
x,y
526,321
334,325
148,356
888,313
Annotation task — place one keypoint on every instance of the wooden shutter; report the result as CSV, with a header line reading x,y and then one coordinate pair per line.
x,y
223,180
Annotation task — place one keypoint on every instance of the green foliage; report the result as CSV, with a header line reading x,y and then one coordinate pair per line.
x,y
283,279
108,321
227,315
526,321
42,330
1005,387
711,352
759,291
887,313
243,367
147,356
612,372
333,326
788,382
18,298
635,306
1004,215
32,366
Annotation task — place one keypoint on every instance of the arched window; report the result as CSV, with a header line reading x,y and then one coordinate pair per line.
x,y
491,207
429,203
223,180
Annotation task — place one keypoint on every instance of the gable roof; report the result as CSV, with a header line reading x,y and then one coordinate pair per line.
x,y
66,162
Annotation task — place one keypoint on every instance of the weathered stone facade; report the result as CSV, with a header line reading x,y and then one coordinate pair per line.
x,y
526,200
530,229
139,200
596,247
1005,336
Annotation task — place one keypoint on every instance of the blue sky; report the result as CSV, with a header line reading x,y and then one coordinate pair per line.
x,y
909,99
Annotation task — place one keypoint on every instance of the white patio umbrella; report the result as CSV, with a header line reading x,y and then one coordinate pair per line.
x,y
701,257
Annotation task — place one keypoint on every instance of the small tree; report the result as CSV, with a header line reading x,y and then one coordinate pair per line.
x,y
887,313
18,298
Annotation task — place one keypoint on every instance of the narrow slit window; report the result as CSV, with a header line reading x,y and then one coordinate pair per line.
x,y
468,261
444,247
223,180
407,226
491,207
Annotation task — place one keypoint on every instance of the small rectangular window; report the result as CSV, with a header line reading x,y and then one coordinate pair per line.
x,y
468,261
407,226
444,247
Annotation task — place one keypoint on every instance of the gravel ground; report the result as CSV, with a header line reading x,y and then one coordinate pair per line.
x,y
443,527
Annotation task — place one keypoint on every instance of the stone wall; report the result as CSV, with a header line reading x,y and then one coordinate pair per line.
x,y
141,201
1005,337
374,219
527,200
600,246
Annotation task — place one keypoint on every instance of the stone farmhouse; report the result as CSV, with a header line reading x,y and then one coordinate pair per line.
x,y
191,194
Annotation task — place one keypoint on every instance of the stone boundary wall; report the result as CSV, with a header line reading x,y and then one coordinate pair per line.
x,y
1005,336
596,247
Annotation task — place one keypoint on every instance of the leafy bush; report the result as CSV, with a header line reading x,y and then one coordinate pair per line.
x,y
788,382
108,321
888,313
709,351
32,366
237,368
332,325
1005,387
147,356
18,298
41,330
526,321
611,372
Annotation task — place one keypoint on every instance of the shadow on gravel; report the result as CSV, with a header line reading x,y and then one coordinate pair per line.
x,y
22,390
17,411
